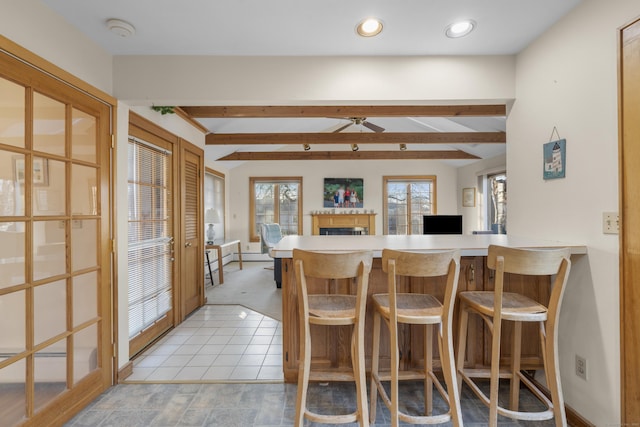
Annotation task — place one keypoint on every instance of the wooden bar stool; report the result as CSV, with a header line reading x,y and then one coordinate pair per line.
x,y
494,307
417,309
332,310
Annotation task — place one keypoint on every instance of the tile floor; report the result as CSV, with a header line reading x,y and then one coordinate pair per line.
x,y
216,343
259,405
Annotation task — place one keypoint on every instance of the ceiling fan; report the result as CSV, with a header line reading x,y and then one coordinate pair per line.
x,y
360,121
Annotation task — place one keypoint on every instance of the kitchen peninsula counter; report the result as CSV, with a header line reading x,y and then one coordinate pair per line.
x,y
331,349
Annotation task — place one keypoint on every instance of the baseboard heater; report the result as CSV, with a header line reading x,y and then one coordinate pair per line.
x,y
50,366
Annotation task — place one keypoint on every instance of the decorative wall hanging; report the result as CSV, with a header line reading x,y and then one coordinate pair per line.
x,y
554,157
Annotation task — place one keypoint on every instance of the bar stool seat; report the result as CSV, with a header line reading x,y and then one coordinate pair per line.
x,y
495,306
416,308
332,310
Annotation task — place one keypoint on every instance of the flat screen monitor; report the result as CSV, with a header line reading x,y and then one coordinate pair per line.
x,y
442,224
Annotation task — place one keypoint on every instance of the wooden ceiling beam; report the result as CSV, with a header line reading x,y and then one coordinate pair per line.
x,y
350,155
356,138
345,111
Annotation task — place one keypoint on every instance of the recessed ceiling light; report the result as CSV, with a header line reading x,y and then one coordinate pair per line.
x,y
460,28
354,147
403,147
120,27
306,147
369,27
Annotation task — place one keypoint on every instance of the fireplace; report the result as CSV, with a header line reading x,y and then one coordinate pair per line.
x,y
343,224
343,231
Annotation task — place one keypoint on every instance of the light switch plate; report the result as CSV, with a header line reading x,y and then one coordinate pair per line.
x,y
610,223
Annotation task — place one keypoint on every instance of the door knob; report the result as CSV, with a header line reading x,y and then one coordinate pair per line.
x,y
187,245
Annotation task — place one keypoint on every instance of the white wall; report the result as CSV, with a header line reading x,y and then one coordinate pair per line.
x,y
568,79
313,173
196,80
37,28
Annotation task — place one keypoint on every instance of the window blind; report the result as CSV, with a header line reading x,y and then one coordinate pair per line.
x,y
149,235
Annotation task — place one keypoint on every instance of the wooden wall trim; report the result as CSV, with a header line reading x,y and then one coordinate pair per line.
x,y
42,64
125,371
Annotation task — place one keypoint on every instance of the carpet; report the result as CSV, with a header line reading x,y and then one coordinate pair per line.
x,y
252,287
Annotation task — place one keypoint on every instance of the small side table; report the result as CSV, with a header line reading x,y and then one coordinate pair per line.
x,y
219,247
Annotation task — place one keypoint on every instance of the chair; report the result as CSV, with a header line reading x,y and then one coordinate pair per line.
x,y
332,310
397,308
494,307
270,235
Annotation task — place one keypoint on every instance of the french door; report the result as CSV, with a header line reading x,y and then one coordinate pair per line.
x,y
151,244
55,260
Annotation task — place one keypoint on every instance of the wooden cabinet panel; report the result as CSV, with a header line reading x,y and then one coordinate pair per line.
x,y
331,349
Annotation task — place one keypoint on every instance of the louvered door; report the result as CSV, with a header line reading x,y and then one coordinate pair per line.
x,y
192,280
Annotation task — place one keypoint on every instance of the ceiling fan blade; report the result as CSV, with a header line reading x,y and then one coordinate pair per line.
x,y
340,129
373,127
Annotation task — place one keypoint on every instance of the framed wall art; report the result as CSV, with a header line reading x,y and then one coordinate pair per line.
x,y
468,197
343,193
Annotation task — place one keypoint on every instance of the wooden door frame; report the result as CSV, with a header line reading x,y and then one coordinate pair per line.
x,y
629,202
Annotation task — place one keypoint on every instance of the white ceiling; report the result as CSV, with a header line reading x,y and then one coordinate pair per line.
x,y
320,28
311,27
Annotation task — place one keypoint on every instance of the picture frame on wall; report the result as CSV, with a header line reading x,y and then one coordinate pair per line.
x,y
40,173
343,193
555,159
469,197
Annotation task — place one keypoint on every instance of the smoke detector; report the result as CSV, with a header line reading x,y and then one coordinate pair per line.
x,y
120,27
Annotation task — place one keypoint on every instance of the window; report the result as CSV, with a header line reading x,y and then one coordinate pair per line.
x,y
276,200
497,206
406,200
214,199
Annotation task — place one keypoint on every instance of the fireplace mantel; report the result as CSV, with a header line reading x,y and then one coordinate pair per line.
x,y
358,220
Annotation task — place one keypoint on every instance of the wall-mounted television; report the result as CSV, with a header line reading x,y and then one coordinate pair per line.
x,y
442,224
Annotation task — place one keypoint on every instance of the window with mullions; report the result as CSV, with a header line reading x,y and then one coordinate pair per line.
x,y
497,208
406,200
275,200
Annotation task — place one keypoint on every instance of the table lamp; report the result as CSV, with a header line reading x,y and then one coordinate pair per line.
x,y
211,217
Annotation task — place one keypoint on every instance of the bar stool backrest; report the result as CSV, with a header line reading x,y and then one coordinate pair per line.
x,y
528,261
335,265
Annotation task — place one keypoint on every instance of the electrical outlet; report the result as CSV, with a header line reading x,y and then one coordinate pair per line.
x,y
581,367
610,223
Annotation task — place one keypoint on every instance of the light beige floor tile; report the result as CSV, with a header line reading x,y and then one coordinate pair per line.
x,y
177,360
150,361
226,360
251,360
197,339
188,349
219,339
271,373
257,349
210,349
239,340
193,373
266,331
140,373
261,340
164,374
233,349
245,373
218,373
202,360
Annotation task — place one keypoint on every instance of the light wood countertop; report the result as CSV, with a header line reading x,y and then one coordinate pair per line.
x,y
469,244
